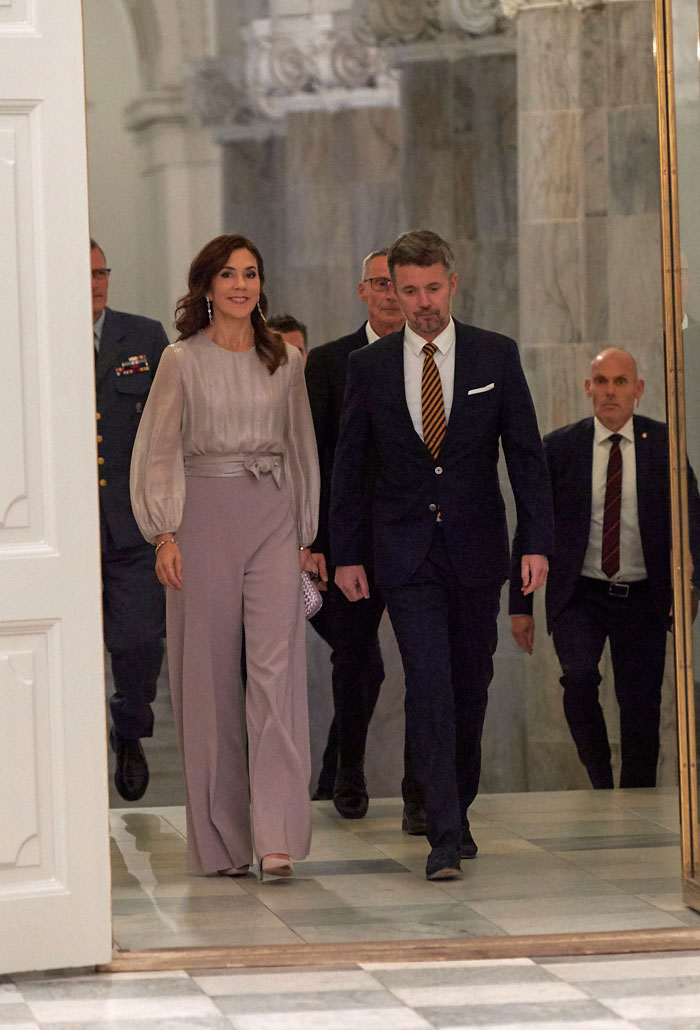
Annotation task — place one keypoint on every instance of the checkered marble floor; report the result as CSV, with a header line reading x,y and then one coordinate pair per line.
x,y
649,992
569,861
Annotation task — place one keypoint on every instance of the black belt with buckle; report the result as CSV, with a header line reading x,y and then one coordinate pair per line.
x,y
614,588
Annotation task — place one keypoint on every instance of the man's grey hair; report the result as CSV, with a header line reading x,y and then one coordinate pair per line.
x,y
370,257
420,247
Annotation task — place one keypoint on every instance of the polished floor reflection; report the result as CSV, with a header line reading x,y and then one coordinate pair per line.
x,y
567,861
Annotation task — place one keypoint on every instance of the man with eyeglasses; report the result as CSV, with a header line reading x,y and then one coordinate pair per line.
x,y
352,629
127,352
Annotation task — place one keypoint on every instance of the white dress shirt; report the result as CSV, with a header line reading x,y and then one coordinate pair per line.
x,y
413,359
371,335
97,330
632,567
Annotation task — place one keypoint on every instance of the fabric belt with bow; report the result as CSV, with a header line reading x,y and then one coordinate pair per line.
x,y
208,465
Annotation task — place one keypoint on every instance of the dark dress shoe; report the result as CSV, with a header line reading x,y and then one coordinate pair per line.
x,y
443,864
322,795
131,773
467,844
350,794
413,820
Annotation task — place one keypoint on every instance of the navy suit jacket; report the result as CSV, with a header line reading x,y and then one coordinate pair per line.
x,y
491,405
326,369
569,452
120,402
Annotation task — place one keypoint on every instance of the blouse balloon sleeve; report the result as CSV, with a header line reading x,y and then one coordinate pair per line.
x,y
301,454
157,465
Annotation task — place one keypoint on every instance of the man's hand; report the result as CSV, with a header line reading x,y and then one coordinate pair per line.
x,y
352,581
523,629
533,569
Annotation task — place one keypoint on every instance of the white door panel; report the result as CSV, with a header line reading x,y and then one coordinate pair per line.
x,y
54,868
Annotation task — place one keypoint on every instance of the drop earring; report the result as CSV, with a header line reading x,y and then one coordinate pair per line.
x,y
210,311
260,310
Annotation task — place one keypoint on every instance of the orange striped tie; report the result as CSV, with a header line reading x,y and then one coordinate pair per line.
x,y
433,406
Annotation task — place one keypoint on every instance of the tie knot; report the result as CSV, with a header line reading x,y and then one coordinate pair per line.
x,y
615,438
429,349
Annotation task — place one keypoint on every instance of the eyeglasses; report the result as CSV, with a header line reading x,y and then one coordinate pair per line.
x,y
379,283
100,273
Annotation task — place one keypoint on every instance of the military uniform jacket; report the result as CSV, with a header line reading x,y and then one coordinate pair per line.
x,y
130,349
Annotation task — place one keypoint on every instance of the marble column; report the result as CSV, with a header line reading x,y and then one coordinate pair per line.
x,y
589,264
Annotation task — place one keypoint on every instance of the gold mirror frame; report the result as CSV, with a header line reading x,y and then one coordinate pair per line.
x,y
675,405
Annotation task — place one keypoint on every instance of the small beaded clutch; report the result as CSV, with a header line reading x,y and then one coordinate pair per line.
x,y
312,596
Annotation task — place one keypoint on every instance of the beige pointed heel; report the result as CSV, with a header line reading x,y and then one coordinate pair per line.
x,y
276,865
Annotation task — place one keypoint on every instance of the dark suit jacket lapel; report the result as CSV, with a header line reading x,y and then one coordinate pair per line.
x,y
581,487
394,386
642,444
109,345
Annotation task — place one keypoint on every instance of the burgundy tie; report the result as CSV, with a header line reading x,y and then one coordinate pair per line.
x,y
610,557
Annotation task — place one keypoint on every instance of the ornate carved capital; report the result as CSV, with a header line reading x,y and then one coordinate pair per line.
x,y
300,62
511,8
423,21
217,93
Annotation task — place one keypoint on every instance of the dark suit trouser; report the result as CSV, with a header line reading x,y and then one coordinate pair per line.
x,y
351,630
447,636
133,604
638,648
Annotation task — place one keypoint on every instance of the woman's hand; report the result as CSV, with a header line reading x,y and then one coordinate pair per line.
x,y
169,562
315,565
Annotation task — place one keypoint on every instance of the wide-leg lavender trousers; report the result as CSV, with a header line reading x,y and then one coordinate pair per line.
x,y
245,793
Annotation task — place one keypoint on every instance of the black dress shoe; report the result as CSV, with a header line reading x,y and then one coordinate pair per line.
x,y
131,773
443,864
350,794
413,820
467,844
322,795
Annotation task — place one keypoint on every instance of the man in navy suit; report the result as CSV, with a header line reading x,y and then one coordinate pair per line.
x,y
610,577
127,352
352,629
437,518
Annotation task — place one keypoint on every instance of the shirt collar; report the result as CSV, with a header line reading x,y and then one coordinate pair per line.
x,y
371,335
99,325
443,342
602,434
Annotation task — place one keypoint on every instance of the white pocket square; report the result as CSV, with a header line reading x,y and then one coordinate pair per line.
x,y
480,389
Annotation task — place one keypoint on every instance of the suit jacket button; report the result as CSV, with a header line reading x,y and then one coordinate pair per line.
x,y
103,482
99,438
98,416
438,470
100,461
432,507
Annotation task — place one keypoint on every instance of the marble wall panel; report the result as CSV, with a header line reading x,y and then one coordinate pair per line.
x,y
548,59
550,282
594,160
634,280
365,145
493,289
308,142
556,377
495,147
594,28
596,299
631,72
633,154
549,152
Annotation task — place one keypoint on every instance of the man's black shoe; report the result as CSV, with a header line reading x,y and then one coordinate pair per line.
x,y
467,844
443,864
131,773
350,794
322,795
413,820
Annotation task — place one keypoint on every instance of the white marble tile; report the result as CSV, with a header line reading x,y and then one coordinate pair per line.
x,y
477,963
9,995
666,1007
83,1010
487,994
626,968
292,982
346,1019
552,1024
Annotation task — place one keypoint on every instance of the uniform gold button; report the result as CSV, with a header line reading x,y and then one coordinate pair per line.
x,y
98,416
99,438
100,461
103,482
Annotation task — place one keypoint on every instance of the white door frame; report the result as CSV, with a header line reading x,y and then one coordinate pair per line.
x,y
54,844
